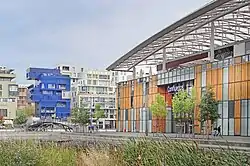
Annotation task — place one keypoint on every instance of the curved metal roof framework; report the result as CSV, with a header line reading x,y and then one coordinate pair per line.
x,y
192,34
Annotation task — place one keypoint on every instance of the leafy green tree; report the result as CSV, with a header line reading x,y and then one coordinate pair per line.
x,y
99,113
21,118
158,109
183,106
80,116
28,111
208,108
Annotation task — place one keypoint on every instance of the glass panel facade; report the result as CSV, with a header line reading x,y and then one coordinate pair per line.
x,y
225,75
244,117
225,92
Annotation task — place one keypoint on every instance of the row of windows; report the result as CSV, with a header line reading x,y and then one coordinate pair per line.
x,y
53,86
7,100
227,62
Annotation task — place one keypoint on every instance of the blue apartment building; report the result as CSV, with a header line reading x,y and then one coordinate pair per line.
x,y
50,92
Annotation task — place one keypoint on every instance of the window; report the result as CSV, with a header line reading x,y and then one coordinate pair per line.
x,y
89,82
231,109
51,86
94,82
1,93
42,86
62,86
3,112
61,104
13,88
1,87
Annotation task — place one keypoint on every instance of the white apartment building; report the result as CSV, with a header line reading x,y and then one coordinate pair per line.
x,y
8,93
89,87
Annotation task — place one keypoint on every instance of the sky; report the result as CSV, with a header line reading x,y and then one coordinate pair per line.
x,y
87,33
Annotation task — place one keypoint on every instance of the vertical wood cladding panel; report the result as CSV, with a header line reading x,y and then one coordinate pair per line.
x,y
197,127
237,73
198,69
209,78
244,90
214,88
237,90
244,72
231,91
122,97
248,89
220,76
248,72
219,92
231,74
198,80
138,120
237,118
168,99
214,77
197,124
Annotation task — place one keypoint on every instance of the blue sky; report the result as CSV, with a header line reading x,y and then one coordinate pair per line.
x,y
87,33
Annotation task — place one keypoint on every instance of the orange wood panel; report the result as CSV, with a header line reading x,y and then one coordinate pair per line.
x,y
248,89
209,66
214,77
161,89
243,90
198,94
237,118
140,101
237,73
244,72
248,72
168,99
197,127
209,78
214,88
137,119
231,91
231,74
237,91
198,69
220,76
219,92
198,80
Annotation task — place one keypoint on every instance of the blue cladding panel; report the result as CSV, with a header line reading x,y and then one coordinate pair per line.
x,y
47,92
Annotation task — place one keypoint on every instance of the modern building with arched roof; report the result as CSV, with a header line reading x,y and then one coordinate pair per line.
x,y
209,47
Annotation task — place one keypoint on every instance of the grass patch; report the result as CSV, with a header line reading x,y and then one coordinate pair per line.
x,y
143,152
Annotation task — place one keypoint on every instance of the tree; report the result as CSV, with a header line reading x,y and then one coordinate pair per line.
x,y
208,108
28,111
99,113
183,106
21,118
80,116
158,109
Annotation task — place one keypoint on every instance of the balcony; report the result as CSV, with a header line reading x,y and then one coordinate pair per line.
x,y
7,75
